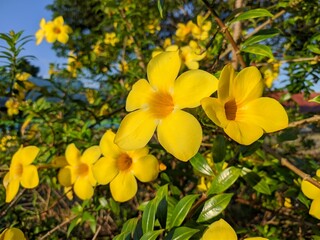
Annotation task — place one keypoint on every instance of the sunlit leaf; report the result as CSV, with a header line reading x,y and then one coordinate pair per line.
x,y
254,13
315,99
181,233
224,180
151,235
200,164
259,49
260,36
181,210
214,206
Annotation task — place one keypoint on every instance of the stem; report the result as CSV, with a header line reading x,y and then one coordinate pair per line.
x,y
286,163
226,32
315,118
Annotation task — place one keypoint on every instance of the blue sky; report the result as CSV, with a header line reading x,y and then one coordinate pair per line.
x,y
25,15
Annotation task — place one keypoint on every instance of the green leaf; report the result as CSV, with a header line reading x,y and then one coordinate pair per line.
x,y
249,149
315,99
123,236
130,225
181,210
224,180
73,224
200,164
219,148
255,13
182,233
313,48
260,36
262,187
160,7
214,206
148,217
259,49
151,235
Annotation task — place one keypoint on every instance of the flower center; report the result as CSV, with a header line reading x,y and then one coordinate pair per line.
x,y
124,162
161,104
56,30
231,109
83,169
18,170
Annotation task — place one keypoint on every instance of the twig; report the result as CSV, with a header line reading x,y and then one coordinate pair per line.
x,y
57,227
286,163
97,232
224,29
316,58
315,118
201,200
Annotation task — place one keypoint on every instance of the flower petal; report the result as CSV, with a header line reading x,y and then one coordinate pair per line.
x,y
256,238
215,111
105,169
310,190
315,208
12,190
146,168
226,81
138,153
163,69
108,148
243,132
135,130
83,189
139,95
267,113
180,134
247,85
220,230
13,234
192,86
30,178
6,180
124,186
72,154
66,176
58,20
91,155
63,38
28,154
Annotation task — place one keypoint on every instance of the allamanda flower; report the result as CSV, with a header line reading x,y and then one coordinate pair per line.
x,y
121,168
221,230
12,234
78,172
56,30
240,110
312,192
41,33
158,103
184,29
191,54
21,171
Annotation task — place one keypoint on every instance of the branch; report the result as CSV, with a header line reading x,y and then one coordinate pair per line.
x,y
286,163
315,118
224,29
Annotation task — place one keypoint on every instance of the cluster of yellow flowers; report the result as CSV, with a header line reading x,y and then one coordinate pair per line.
x,y
73,64
157,105
111,38
199,31
312,192
53,31
7,142
270,72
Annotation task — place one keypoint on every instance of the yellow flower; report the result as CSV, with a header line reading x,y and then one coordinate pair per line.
x,y
158,103
312,192
240,110
73,64
12,234
41,33
167,46
184,29
78,172
56,30
21,171
221,230
287,203
23,76
123,66
191,54
12,106
111,38
201,30
121,168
